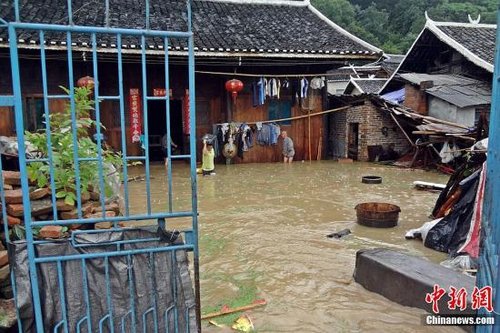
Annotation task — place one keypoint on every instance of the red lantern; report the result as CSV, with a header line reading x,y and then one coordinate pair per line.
x,y
234,86
85,81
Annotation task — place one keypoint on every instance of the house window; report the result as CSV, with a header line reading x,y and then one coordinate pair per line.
x,y
33,113
280,109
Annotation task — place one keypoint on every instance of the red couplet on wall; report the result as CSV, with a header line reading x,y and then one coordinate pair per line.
x,y
135,115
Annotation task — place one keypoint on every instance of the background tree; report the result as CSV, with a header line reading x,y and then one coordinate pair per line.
x,y
393,25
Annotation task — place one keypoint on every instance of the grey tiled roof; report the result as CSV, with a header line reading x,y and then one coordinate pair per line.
x,y
455,89
479,40
371,86
219,26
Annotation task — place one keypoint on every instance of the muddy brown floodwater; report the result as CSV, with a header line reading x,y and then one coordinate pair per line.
x,y
263,232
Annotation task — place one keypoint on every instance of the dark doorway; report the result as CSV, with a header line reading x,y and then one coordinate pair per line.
x,y
353,135
157,125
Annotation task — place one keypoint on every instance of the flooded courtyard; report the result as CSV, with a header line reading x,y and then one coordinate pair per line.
x,y
263,234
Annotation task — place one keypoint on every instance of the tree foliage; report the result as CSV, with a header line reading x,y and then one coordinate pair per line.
x,y
394,24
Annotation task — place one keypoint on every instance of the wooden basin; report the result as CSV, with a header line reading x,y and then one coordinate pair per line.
x,y
377,214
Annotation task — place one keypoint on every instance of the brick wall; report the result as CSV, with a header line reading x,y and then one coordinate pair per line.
x,y
338,134
416,99
371,122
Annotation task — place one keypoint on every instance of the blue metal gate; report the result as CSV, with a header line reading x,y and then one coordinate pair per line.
x,y
124,250
489,261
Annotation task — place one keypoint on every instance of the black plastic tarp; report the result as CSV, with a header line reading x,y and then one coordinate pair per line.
x,y
451,232
144,279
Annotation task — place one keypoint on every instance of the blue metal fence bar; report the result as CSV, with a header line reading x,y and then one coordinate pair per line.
x,y
192,147
62,296
122,124
50,158
16,10
135,158
3,205
74,127
14,292
180,157
99,30
109,297
131,291
112,253
106,13
167,317
154,291
97,108
57,96
16,86
124,321
173,282
145,117
113,219
167,119
489,272
109,98
70,14
147,14
86,294
156,98
6,100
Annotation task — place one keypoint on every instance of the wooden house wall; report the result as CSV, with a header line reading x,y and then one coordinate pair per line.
x,y
297,130
211,103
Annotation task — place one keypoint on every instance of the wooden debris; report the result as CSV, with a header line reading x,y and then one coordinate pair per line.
x,y
226,310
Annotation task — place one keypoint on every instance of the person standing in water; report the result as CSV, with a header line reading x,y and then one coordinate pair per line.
x,y
288,150
164,146
208,166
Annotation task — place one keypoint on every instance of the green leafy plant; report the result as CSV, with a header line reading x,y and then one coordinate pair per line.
x,y
62,136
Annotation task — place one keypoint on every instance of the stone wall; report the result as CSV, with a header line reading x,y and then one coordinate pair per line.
x,y
376,128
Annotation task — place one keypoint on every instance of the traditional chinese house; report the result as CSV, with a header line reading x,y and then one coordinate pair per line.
x,y
281,41
448,71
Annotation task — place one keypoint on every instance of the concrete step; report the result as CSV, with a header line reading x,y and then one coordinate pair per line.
x,y
406,279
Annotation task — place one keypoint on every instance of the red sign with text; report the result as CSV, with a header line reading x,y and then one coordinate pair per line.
x,y
135,115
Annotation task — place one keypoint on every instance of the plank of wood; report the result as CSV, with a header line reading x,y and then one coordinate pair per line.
x,y
226,310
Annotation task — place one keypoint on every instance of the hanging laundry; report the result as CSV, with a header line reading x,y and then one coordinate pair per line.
x,y
266,88
295,91
255,94
446,153
274,88
317,83
275,134
304,87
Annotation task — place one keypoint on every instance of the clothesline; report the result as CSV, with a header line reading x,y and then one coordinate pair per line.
x,y
295,118
262,75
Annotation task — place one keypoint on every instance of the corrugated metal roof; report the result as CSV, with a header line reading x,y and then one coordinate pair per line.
x,y
454,89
